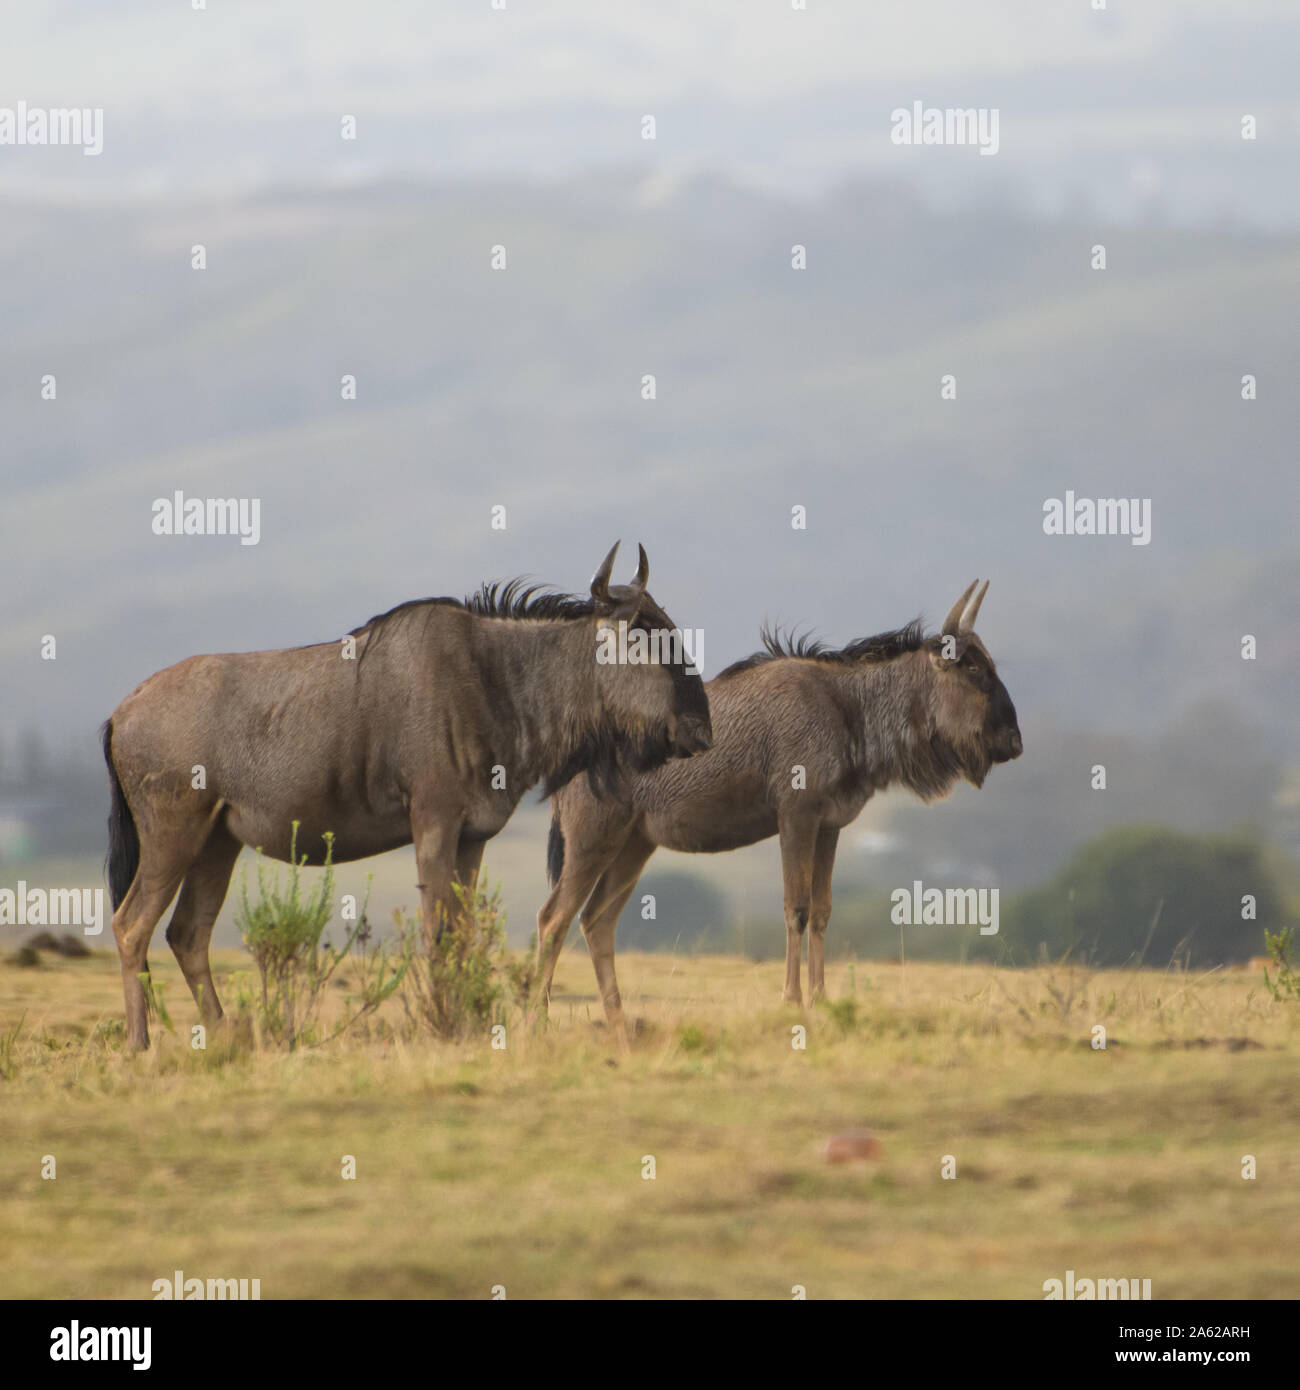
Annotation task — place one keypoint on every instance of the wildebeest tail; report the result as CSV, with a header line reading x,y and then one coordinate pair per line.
x,y
555,848
123,838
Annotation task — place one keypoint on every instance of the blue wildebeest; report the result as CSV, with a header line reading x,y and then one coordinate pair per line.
x,y
446,713
803,737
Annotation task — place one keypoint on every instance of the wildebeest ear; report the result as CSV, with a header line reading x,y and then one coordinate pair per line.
x,y
947,650
623,605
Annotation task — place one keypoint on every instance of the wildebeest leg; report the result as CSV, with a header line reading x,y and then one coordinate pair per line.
x,y
823,868
600,920
798,846
190,929
583,865
166,854
436,836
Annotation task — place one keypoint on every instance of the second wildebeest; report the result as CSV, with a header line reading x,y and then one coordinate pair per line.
x,y
803,737
425,726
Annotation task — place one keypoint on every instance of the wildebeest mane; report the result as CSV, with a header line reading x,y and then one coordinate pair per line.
x,y
518,599
514,598
883,646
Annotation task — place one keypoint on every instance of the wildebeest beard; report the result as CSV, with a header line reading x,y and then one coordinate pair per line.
x,y
607,756
931,768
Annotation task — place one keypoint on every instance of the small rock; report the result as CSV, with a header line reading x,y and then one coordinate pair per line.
x,y
852,1145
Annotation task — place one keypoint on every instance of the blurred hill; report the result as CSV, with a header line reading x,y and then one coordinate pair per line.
x,y
775,388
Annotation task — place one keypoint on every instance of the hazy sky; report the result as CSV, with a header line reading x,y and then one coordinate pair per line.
x,y
1137,102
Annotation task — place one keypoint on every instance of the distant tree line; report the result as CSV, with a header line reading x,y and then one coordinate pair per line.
x,y
1134,895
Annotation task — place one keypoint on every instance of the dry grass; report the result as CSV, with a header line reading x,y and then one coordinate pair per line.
x,y
523,1167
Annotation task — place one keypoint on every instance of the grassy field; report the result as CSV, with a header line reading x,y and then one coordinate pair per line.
x,y
524,1167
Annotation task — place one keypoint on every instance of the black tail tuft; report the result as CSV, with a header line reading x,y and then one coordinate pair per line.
x,y
123,838
554,850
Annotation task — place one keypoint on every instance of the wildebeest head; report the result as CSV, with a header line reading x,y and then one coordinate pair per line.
x,y
644,676
971,711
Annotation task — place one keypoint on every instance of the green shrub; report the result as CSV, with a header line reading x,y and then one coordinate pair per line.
x,y
154,1001
457,985
8,1041
1286,983
842,1012
282,932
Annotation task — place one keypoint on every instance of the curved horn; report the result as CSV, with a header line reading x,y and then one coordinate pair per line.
x,y
642,570
967,623
600,580
950,623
